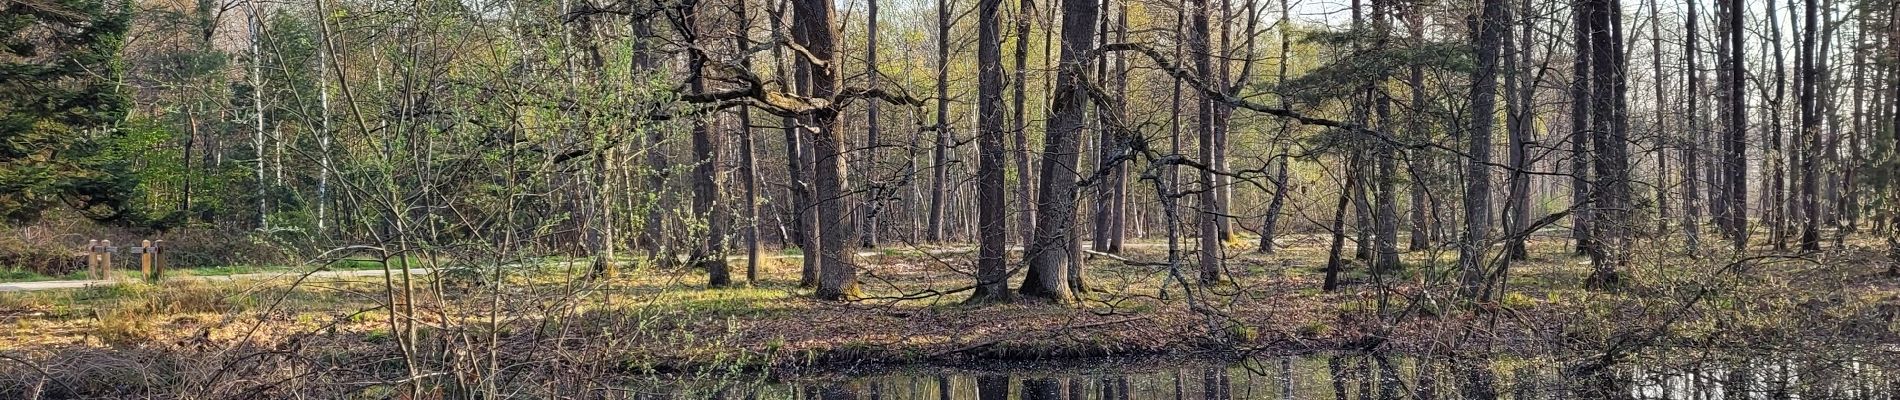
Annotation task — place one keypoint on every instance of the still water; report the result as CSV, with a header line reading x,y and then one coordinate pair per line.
x,y
1334,376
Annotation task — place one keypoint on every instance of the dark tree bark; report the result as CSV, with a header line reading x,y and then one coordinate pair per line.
x,y
1208,196
1810,135
838,275
710,254
939,154
1118,177
1334,262
1735,146
1055,226
1611,201
992,276
1774,209
1692,150
1580,132
1477,199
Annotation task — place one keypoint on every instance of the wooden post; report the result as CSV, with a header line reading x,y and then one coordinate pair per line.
x,y
158,259
92,259
145,260
105,259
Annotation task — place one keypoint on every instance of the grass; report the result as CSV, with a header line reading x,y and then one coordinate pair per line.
x,y
654,320
130,272
20,275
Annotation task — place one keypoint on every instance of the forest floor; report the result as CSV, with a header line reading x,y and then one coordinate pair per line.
x,y
652,320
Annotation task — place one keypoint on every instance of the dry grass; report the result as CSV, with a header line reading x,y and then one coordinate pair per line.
x,y
553,320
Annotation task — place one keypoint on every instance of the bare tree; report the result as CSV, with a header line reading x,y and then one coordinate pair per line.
x,y
1049,258
1491,28
992,274
940,152
838,273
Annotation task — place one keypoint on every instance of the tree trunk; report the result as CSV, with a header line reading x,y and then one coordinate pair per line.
x,y
710,255
1415,126
1208,196
748,160
1736,137
1810,135
992,281
1775,210
1580,111
797,156
1517,130
1055,226
1611,201
838,276
257,115
939,155
874,193
1659,130
1025,186
1491,28
1691,208
1270,226
1334,263
1386,216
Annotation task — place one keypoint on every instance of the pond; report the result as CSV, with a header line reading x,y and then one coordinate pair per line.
x,y
1321,376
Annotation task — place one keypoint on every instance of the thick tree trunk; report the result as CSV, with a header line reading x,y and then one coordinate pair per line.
x,y
838,276
1055,226
992,276
1611,201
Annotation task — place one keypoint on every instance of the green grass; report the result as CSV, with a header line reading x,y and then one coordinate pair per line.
x,y
20,275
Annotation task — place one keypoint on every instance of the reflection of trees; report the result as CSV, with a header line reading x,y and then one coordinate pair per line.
x,y
1042,389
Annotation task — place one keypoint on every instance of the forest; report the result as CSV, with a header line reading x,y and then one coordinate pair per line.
x,y
950,199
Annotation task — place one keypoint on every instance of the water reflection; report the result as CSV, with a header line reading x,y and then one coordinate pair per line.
x,y
1339,376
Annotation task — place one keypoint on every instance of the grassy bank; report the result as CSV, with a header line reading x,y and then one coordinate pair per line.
x,y
550,319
